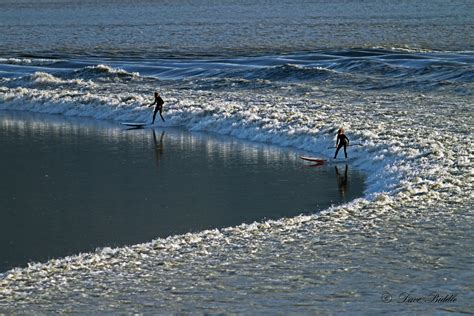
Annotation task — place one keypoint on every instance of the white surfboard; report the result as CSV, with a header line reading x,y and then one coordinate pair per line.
x,y
135,124
312,159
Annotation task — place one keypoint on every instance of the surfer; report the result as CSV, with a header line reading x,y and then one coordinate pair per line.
x,y
159,106
341,141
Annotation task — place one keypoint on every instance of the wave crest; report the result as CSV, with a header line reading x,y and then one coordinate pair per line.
x,y
105,72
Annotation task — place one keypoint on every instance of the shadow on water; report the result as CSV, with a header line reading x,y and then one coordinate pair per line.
x,y
342,178
158,146
342,181
70,185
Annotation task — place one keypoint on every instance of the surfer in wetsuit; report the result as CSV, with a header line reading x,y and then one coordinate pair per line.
x,y
341,141
159,106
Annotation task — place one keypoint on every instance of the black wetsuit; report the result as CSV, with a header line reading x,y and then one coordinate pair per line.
x,y
159,107
342,140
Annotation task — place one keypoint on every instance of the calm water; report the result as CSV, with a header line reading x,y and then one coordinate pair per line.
x,y
150,28
397,75
72,185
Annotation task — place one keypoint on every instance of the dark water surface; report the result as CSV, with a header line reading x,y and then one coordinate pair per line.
x,y
69,185
145,27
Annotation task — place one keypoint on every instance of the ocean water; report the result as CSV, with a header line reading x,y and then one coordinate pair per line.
x,y
398,76
71,185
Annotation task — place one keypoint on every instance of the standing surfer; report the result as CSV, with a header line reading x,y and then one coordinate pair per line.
x,y
341,141
159,106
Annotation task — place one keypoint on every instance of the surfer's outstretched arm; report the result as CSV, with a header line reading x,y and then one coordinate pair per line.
x,y
149,105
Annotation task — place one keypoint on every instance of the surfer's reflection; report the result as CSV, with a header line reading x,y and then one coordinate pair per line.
x,y
342,181
158,147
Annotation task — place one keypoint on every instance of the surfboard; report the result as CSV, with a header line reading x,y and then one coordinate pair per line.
x,y
135,124
321,161
312,159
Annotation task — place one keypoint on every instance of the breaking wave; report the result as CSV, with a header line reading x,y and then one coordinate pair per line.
x,y
410,148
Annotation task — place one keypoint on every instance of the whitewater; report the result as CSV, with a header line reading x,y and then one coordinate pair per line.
x,y
410,107
419,183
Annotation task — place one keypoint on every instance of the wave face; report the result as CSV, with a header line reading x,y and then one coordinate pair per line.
x,y
411,111
370,69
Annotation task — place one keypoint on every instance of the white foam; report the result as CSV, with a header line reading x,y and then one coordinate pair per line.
x,y
286,125
29,61
101,68
416,171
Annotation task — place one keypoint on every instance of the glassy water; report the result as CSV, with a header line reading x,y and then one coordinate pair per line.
x,y
72,185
